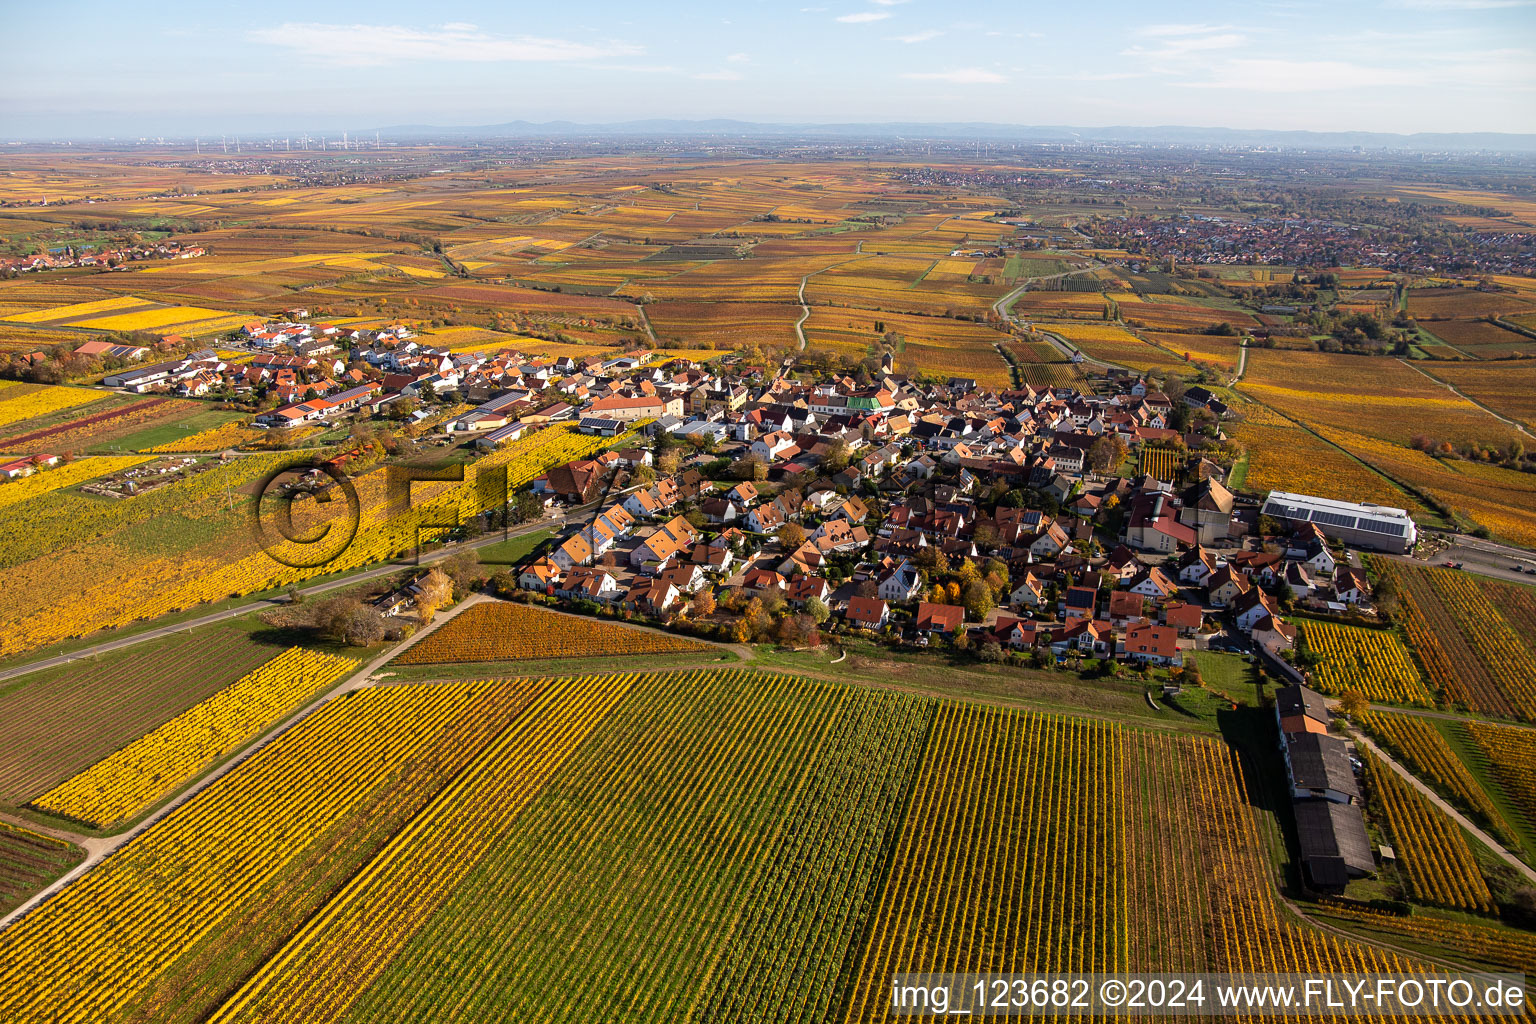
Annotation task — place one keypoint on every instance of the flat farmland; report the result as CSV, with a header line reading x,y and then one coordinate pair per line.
x,y
1214,350
719,845
30,860
56,723
1481,339
1506,386
724,325
935,345
1463,303
1112,344
1369,393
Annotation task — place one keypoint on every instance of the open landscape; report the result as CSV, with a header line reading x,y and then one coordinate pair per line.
x,y
488,535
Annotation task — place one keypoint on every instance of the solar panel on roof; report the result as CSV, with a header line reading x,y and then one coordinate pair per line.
x,y
1377,526
1333,519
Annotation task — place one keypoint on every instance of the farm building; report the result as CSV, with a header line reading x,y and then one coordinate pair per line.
x,y
1378,527
1334,844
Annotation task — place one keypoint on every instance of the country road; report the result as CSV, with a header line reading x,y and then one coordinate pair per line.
x,y
351,579
1455,815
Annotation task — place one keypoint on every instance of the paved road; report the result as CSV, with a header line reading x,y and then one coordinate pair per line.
x,y
1484,557
98,849
351,579
1456,816
1000,307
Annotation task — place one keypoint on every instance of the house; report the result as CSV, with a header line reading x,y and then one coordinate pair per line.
x,y
1079,602
628,410
1319,768
652,596
1207,509
541,576
1030,593
1019,634
763,579
671,539
1300,709
1351,586
1049,542
867,613
1183,616
805,587
901,584
1153,584
1298,580
1196,566
1126,607
765,519
1090,637
591,583
576,482
1149,644
1273,634
1333,842
719,510
1225,586
945,619
1153,525
688,579
744,493
1253,606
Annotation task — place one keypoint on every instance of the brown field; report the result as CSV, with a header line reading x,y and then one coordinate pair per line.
x,y
724,325
1481,339
1506,386
1463,303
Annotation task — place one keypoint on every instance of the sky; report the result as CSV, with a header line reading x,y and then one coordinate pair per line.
x,y
90,68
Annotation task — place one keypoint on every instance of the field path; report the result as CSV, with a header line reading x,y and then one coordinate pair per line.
x,y
1467,398
1455,815
99,848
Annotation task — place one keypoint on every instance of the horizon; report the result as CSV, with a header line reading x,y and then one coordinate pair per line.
x,y
1391,66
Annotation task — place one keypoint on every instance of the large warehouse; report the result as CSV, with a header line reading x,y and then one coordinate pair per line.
x,y
1362,525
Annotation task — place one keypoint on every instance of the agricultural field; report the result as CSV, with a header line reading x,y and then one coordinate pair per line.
x,y
1511,758
1423,747
517,632
193,540
1481,339
158,763
1114,345
1472,655
1372,661
1463,303
29,860
56,723
666,833
1432,852
1508,387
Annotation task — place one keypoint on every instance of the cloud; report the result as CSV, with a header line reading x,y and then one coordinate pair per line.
x,y
918,37
863,16
960,76
740,58
889,3
1177,46
718,76
362,45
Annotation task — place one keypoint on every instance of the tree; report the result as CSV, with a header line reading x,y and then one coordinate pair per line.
x,y
791,535
977,600
1354,703
667,462
817,609
462,568
952,593
1106,453
703,603
837,456
433,592
346,620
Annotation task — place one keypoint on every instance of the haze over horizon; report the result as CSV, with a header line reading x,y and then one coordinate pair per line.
x,y
1399,66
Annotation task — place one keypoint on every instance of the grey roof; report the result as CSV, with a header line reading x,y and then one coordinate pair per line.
x,y
1321,763
1299,700
1380,519
1332,836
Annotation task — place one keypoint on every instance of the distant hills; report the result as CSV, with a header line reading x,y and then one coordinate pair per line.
x,y
1163,135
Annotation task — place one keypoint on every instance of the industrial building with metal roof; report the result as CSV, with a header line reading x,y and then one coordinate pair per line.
x,y
1362,524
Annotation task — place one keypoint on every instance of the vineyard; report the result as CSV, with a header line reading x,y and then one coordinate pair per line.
x,y
162,761
1430,756
193,541
1511,755
28,861
1372,661
60,722
706,845
1471,653
1436,861
516,632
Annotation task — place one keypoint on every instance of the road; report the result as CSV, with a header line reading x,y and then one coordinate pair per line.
x,y
1456,816
1484,557
1069,350
1000,307
100,848
805,314
351,579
